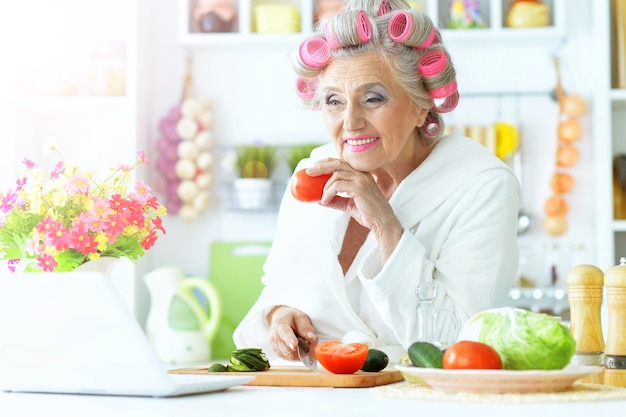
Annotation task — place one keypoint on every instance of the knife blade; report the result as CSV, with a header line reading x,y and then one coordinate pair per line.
x,y
306,352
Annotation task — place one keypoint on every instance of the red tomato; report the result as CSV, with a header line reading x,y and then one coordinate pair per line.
x,y
471,355
307,188
341,358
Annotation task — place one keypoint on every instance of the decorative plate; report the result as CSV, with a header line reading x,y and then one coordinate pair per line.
x,y
499,381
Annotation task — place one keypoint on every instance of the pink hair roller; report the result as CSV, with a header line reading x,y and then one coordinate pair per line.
x,y
314,52
384,8
305,88
428,40
330,38
363,26
432,63
449,103
444,90
431,126
400,26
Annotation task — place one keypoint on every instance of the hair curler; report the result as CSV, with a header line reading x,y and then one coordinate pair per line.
x,y
384,8
449,103
429,40
314,52
400,26
330,38
444,91
306,87
432,63
363,26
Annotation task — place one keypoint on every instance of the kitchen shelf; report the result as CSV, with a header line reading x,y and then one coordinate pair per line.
x,y
74,103
618,96
619,225
495,32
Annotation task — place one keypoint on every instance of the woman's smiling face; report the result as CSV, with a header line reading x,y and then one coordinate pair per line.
x,y
370,116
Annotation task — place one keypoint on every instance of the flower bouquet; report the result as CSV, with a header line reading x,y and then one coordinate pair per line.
x,y
59,220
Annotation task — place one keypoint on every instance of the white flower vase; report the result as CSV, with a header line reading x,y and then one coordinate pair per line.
x,y
104,264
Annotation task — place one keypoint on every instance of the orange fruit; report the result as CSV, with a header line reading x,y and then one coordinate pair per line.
x,y
555,206
561,182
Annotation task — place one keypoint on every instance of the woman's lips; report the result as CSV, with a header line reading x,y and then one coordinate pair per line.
x,y
360,143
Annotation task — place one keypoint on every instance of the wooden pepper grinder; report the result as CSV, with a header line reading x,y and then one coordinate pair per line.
x,y
615,352
584,292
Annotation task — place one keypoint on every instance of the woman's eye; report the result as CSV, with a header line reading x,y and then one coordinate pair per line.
x,y
332,100
374,98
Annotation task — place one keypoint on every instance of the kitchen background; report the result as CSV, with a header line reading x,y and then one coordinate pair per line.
x,y
101,77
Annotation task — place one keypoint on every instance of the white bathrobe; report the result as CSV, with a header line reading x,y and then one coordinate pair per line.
x,y
459,212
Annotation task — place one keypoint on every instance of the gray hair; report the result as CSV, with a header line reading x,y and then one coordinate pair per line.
x,y
406,41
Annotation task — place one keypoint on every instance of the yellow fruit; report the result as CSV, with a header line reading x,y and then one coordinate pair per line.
x,y
507,139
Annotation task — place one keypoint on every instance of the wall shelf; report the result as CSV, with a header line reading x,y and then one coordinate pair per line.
x,y
496,31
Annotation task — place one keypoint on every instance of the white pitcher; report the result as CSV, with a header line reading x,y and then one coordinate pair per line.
x,y
178,326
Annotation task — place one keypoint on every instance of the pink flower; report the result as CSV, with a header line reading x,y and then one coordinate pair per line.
x,y
46,262
58,170
46,225
114,226
142,157
89,221
149,241
77,184
20,183
60,239
13,264
134,217
158,224
8,202
32,246
118,203
29,164
82,241
143,193
100,208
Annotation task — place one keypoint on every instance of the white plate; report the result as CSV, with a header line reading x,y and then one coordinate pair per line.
x,y
499,381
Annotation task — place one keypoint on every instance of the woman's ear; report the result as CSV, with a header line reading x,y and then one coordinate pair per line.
x,y
421,116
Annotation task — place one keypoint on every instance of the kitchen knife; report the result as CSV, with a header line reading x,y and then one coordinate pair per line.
x,y
306,352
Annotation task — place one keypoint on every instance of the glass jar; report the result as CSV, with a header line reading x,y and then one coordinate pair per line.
x,y
108,69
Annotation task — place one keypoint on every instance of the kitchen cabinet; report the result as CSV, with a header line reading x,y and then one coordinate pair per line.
x,y
609,123
493,13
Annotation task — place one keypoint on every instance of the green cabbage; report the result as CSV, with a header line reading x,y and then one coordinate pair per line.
x,y
524,340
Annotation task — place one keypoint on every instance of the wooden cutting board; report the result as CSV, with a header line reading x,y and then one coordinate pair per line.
x,y
301,377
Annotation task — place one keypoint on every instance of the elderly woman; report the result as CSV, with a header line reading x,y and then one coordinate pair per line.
x,y
405,205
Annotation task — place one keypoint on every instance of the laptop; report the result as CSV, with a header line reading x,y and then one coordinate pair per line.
x,y
71,333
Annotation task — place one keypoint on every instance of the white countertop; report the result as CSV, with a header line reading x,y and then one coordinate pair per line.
x,y
279,402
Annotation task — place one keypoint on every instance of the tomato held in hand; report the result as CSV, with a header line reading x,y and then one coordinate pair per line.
x,y
307,188
341,358
467,354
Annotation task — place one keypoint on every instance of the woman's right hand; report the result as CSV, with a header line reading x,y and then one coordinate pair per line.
x,y
285,324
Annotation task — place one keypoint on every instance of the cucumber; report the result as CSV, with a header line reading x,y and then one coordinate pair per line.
x,y
425,355
250,359
217,367
376,361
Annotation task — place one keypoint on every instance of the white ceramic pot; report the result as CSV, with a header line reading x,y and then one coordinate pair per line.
x,y
252,193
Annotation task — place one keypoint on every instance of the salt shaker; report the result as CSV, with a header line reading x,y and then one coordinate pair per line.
x,y
584,292
615,351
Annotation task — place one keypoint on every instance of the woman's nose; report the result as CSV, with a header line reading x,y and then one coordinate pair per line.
x,y
353,118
